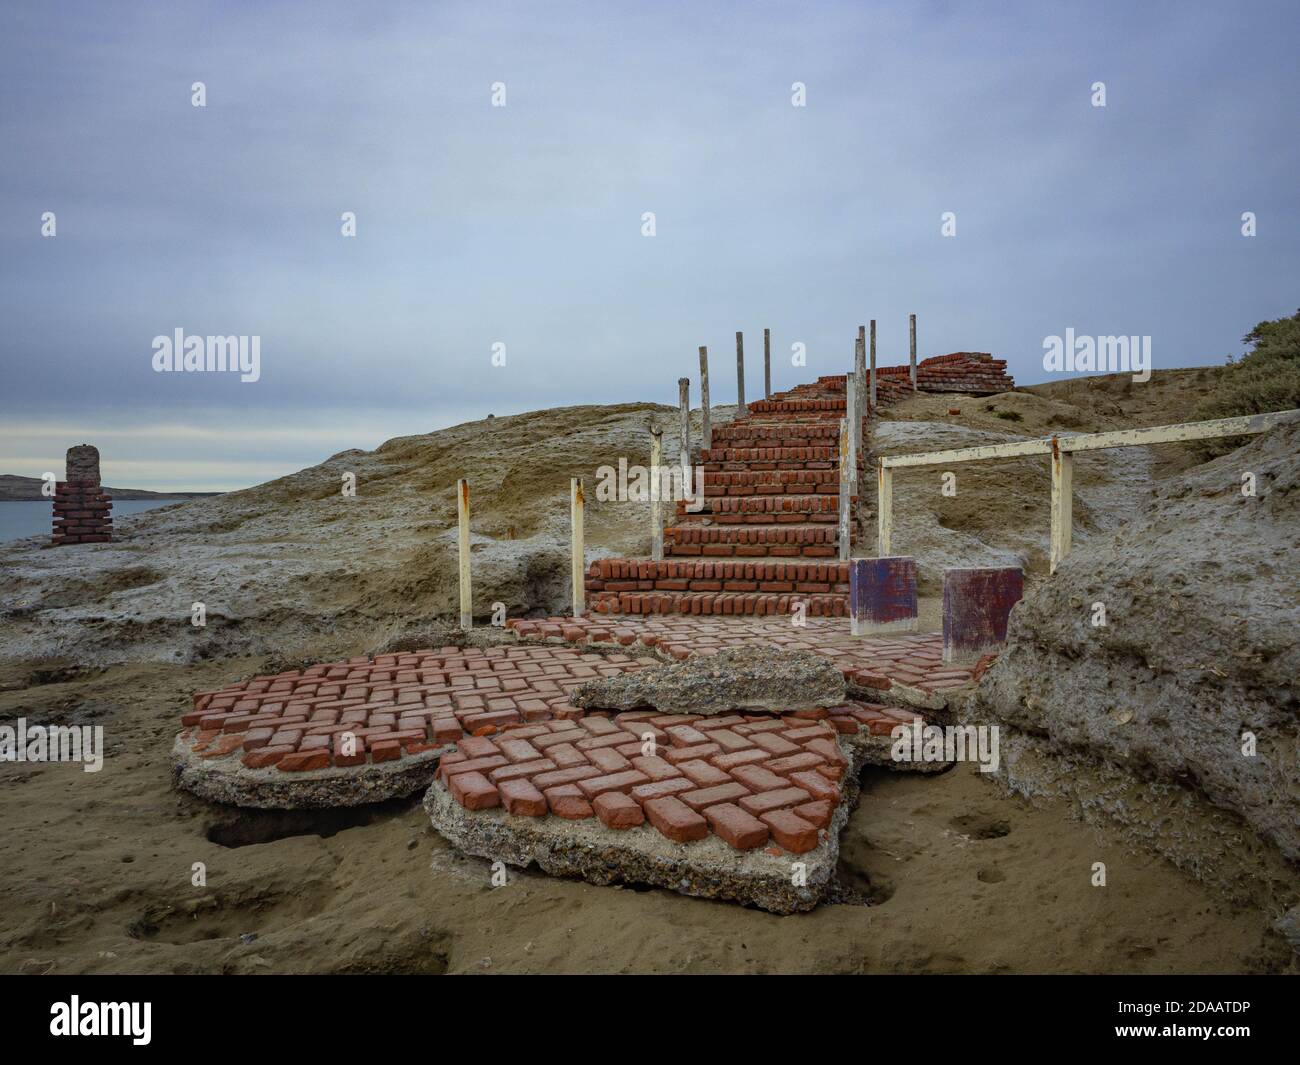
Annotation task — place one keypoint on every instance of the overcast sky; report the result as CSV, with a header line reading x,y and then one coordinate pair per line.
x,y
522,224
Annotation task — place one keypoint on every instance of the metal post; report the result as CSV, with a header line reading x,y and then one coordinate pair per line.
x,y
578,554
706,430
740,374
656,493
462,508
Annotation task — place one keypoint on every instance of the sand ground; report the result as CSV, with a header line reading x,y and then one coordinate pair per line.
x,y
98,869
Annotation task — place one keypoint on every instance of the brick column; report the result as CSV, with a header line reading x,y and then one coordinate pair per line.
x,y
976,605
82,510
882,595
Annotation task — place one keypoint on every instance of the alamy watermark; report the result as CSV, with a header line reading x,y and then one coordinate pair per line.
x,y
1072,353
53,743
919,742
193,354
629,483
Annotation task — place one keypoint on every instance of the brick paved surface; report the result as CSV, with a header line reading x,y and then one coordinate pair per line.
x,y
766,537
753,780
392,705
883,663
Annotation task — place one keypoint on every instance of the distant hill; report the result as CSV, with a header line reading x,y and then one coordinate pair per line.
x,y
29,489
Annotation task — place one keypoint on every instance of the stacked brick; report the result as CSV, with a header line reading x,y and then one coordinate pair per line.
x,y
767,534
82,509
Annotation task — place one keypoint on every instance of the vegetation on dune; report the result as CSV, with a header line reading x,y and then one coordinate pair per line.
x,y
1264,379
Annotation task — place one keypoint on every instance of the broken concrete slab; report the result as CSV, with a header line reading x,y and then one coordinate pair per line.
x,y
226,779
743,807
734,679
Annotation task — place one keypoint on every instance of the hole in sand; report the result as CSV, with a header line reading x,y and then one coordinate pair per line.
x,y
980,826
245,828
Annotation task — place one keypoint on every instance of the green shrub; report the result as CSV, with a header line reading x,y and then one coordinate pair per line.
x,y
1265,379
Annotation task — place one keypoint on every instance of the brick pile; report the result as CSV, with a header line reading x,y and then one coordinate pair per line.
x,y
753,780
82,509
766,537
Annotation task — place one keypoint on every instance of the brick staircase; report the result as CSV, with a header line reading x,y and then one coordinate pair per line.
x,y
766,537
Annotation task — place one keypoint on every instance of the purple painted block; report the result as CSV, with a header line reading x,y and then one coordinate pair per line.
x,y
976,606
882,595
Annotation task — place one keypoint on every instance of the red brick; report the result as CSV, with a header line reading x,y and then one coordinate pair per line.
x,y
568,802
521,799
721,793
739,829
773,800
757,778
702,774
521,770
565,776
608,761
300,761
686,736
728,762
626,781
678,755
474,791
656,768
796,763
266,756
674,819
657,789
817,813
617,810
816,785
791,831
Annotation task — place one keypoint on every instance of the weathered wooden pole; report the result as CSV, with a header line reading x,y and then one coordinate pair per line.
x,y
740,374
466,596
767,364
706,433
860,368
846,489
656,493
873,364
1062,505
911,332
577,550
684,401
850,412
884,509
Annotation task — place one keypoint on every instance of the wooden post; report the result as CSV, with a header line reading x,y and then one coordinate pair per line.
x,y
850,410
1062,505
911,334
740,374
466,597
578,553
873,364
846,488
706,431
684,401
656,493
884,509
860,369
767,364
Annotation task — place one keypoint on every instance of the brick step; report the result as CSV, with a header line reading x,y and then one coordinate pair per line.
x,y
777,434
747,455
829,408
770,482
768,507
750,541
611,570
710,603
